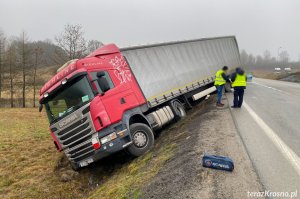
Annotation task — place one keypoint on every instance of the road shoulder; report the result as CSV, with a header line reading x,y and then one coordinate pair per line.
x,y
205,130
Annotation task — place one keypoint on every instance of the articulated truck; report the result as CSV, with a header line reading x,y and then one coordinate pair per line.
x,y
115,99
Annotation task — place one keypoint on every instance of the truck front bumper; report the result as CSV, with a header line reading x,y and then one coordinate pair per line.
x,y
121,141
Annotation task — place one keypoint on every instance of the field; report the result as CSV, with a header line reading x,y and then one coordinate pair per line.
x,y
32,168
28,158
43,75
269,74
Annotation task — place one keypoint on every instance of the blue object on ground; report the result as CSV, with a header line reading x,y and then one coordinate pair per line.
x,y
217,162
249,77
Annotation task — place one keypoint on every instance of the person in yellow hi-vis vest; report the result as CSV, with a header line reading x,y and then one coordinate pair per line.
x,y
220,80
238,79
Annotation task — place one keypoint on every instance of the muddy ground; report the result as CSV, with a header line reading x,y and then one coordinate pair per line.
x,y
205,130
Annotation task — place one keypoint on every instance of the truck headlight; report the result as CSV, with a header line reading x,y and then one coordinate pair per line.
x,y
108,138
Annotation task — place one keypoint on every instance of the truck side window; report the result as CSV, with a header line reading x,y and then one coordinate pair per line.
x,y
107,77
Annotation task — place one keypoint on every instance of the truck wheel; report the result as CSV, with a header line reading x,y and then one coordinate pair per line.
x,y
142,139
178,110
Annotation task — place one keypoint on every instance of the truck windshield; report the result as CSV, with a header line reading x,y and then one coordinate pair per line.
x,y
69,98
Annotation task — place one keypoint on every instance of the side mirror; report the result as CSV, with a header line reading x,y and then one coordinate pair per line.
x,y
40,107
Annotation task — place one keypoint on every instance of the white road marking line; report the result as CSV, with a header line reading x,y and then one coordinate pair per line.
x,y
275,89
286,151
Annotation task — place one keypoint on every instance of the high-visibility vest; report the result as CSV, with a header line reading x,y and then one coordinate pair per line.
x,y
240,80
219,80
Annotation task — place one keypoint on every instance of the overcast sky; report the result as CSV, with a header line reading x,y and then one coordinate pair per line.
x,y
257,24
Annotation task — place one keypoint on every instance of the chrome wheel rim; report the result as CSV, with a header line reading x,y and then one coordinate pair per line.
x,y
140,139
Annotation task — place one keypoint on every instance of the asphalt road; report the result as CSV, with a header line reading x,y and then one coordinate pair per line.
x,y
269,125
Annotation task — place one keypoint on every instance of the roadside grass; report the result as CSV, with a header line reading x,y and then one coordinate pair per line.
x,y
269,74
128,181
28,158
30,166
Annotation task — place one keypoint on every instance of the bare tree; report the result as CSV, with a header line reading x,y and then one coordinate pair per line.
x,y
24,53
19,57
2,49
38,51
93,45
60,56
11,62
259,60
267,56
244,57
264,62
284,56
72,41
251,60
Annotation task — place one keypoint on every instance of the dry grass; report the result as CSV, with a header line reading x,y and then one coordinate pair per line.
x,y
269,74
28,158
43,75
127,182
31,168
265,74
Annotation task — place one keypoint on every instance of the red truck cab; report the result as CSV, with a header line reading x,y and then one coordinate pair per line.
x,y
89,104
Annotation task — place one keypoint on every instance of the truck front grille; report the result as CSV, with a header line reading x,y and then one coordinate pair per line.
x,y
75,138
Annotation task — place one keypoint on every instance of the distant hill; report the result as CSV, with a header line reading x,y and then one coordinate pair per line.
x,y
50,55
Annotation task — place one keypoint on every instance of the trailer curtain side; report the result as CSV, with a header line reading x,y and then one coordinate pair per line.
x,y
170,69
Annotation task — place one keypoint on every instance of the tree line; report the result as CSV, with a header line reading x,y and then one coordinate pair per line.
x,y
24,63
266,61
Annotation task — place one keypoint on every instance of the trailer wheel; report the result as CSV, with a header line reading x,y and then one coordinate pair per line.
x,y
178,109
142,139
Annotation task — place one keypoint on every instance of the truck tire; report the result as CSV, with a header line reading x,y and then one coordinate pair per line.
x,y
142,139
178,110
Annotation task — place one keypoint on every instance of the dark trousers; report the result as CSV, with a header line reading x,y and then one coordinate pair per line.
x,y
238,97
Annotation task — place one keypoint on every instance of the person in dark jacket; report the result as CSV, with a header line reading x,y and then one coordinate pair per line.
x,y
238,79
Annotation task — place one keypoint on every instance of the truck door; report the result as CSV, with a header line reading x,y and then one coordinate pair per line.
x,y
118,98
